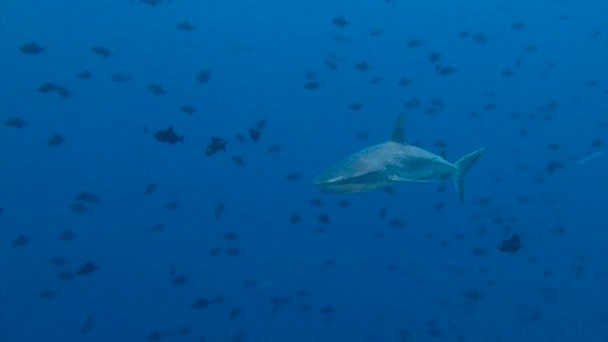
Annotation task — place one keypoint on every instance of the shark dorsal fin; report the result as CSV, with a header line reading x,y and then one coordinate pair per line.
x,y
399,130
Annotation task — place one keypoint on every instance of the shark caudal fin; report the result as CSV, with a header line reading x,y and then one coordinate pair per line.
x,y
463,165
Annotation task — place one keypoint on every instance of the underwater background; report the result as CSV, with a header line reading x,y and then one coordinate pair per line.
x,y
157,160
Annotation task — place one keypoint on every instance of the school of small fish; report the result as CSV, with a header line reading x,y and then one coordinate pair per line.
x,y
168,138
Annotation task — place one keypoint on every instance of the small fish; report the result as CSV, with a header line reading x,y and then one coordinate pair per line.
x,y
510,245
232,251
67,235
219,210
294,218
404,82
63,92
294,176
480,38
48,294
355,106
518,25
57,261
188,109
312,85
21,240
168,136
101,51
414,43
185,26
120,77
216,145
55,140
238,160
65,275
340,21
47,87
445,70
151,3
157,228
200,303
331,65
362,66
254,134
434,57
86,196
86,269
171,205
150,188
15,123
88,324
156,89
79,208
203,76
376,33
84,75
32,49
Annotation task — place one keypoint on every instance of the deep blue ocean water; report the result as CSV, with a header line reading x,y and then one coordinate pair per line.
x,y
109,234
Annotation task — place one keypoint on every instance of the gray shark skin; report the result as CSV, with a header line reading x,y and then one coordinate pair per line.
x,y
394,161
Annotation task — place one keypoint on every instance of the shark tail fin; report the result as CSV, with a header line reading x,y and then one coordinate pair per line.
x,y
463,165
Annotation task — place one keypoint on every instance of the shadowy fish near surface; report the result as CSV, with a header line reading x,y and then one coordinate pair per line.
x,y
394,161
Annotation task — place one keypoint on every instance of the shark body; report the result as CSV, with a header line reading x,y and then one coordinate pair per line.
x,y
394,161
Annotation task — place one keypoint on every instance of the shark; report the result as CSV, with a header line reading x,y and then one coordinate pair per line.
x,y
394,161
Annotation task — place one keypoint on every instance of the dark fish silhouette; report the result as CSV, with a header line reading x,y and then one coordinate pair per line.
x,y
340,21
171,205
168,136
87,197
219,210
55,140
203,76
88,324
67,235
57,261
21,240
362,66
86,269
185,26
413,43
79,208
156,89
48,294
101,51
15,123
510,245
120,77
47,87
188,109
312,85
216,145
84,75
32,49
150,189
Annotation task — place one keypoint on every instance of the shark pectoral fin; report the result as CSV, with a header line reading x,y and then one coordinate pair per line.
x,y
399,130
463,165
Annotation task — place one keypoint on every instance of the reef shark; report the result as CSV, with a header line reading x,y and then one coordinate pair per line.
x,y
394,161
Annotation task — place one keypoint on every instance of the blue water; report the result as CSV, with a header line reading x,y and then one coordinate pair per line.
x,y
530,85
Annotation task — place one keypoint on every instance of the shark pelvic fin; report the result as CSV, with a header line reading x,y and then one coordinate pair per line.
x,y
463,165
398,135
